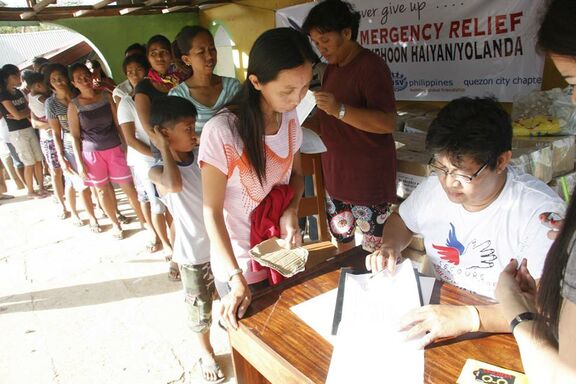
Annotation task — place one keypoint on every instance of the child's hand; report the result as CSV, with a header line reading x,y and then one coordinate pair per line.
x,y
158,139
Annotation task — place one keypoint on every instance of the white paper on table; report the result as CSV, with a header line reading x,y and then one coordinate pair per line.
x,y
318,312
369,348
306,106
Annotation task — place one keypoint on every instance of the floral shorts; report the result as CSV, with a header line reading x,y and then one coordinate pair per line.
x,y
344,217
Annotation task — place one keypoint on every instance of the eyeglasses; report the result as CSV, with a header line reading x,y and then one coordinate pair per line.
x,y
465,179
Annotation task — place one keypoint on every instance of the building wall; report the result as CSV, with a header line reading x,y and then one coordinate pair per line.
x,y
244,21
111,35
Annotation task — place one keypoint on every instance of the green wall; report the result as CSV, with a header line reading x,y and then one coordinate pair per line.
x,y
111,35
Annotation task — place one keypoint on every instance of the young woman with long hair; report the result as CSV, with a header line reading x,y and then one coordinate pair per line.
x,y
247,149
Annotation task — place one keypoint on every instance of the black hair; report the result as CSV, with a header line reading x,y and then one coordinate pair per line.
x,y
476,127
25,74
75,67
557,32
5,72
332,16
51,68
34,78
161,40
138,59
39,61
185,37
274,51
136,47
166,111
557,35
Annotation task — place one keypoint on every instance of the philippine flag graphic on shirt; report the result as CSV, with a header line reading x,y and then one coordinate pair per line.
x,y
453,249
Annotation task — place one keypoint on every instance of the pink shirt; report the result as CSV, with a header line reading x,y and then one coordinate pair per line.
x,y
221,148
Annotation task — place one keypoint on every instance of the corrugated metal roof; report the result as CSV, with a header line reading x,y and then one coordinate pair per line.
x,y
18,48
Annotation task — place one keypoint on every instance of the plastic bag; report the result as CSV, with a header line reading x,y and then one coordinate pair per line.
x,y
544,113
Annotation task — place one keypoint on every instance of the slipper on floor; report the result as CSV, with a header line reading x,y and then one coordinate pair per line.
x,y
210,366
94,227
123,219
118,235
152,246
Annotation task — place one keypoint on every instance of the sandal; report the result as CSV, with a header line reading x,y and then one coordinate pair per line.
x,y
62,215
123,219
78,222
210,366
152,246
118,234
174,272
95,228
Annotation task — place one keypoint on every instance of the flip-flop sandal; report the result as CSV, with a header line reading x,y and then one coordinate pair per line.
x,y
152,246
95,228
210,366
123,219
78,222
62,215
118,235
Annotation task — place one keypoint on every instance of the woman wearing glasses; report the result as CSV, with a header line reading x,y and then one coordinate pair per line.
x,y
474,212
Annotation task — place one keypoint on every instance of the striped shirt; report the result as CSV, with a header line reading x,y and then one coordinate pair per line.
x,y
230,87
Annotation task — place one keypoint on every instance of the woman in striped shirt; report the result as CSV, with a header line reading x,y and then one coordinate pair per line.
x,y
207,91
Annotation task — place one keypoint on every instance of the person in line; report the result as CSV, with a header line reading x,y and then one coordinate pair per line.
x,y
248,148
356,117
56,76
161,78
9,156
99,78
125,88
38,63
98,147
139,157
179,183
14,109
475,214
207,91
542,316
39,92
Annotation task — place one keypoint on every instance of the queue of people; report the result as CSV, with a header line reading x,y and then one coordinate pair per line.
x,y
197,153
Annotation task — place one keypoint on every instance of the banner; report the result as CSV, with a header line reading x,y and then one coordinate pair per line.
x,y
441,50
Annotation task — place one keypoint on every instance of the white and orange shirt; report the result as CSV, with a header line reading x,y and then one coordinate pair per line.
x,y
221,147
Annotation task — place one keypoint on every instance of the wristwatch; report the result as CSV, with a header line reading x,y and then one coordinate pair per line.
x,y
524,316
342,111
234,272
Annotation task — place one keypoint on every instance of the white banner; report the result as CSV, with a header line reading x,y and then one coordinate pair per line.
x,y
441,50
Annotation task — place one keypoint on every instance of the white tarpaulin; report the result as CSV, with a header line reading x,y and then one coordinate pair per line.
x,y
441,50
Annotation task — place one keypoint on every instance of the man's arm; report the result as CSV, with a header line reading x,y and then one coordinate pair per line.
x,y
396,237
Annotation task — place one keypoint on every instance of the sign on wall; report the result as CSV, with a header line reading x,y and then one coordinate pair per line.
x,y
441,50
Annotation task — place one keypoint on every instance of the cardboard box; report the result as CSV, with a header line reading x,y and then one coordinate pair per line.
x,y
419,124
412,170
415,142
534,161
563,150
564,185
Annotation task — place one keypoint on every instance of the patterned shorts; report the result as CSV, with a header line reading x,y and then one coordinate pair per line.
x,y
344,217
198,282
49,151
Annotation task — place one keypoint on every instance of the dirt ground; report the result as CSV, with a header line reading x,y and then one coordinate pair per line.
x,y
78,307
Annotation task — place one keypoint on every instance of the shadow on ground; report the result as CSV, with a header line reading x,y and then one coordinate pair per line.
x,y
88,294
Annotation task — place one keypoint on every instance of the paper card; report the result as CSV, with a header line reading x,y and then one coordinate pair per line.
x,y
306,106
475,372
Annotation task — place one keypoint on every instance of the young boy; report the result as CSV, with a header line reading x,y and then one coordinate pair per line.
x,y
178,181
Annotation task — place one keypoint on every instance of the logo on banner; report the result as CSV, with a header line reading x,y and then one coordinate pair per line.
x,y
400,81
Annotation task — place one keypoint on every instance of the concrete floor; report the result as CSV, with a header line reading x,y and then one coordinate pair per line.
x,y
78,307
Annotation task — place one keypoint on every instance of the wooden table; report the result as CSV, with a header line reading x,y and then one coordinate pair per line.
x,y
273,345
